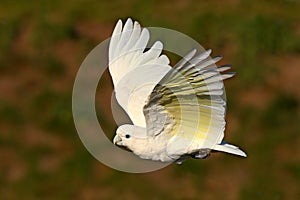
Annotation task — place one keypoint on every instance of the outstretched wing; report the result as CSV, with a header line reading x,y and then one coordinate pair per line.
x,y
189,102
135,71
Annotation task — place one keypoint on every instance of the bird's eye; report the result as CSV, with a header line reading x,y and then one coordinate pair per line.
x,y
127,136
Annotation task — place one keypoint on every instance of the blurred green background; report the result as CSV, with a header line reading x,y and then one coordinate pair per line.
x,y
42,44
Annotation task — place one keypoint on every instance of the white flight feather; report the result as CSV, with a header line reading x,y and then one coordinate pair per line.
x,y
127,56
207,83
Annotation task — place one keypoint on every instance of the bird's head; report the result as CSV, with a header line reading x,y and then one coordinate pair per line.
x,y
130,137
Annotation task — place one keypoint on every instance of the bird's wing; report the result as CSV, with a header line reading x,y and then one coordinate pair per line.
x,y
189,102
135,70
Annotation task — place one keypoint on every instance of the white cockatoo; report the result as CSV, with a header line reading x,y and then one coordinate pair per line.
x,y
176,112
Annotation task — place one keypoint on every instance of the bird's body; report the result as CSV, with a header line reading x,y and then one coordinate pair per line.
x,y
176,112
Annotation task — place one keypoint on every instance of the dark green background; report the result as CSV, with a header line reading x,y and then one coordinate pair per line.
x,y
42,44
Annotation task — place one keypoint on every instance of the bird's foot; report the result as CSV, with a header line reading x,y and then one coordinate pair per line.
x,y
201,154
181,159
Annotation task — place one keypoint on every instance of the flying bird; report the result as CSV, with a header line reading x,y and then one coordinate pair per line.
x,y
177,112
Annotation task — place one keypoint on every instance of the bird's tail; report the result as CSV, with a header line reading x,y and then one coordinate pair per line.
x,y
229,148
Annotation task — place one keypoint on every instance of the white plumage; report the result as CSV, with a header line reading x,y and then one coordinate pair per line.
x,y
176,112
135,72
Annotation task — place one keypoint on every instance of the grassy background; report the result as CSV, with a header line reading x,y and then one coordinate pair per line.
x,y
42,45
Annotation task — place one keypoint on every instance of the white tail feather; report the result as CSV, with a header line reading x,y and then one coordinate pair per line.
x,y
229,148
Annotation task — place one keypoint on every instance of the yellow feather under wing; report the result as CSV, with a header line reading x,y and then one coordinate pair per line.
x,y
192,102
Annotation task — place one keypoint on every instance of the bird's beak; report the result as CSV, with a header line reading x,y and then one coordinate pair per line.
x,y
117,140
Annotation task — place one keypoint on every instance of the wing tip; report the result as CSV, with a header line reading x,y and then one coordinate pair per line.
x,y
128,24
208,51
119,24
